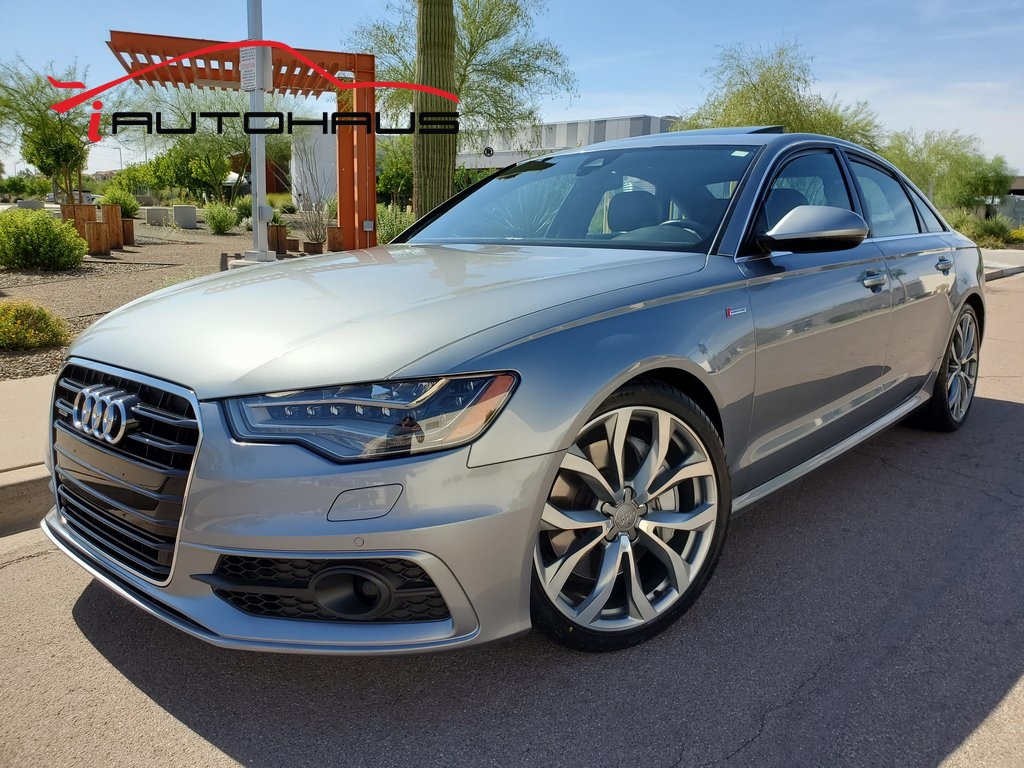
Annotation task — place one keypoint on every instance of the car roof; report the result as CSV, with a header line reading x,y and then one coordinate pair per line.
x,y
761,135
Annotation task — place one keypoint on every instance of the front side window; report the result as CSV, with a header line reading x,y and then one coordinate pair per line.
x,y
810,179
889,210
671,198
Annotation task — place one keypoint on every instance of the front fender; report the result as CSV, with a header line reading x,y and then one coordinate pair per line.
x,y
567,372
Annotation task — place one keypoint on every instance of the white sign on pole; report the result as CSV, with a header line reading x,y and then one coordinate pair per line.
x,y
247,68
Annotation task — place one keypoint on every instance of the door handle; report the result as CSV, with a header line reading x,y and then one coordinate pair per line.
x,y
874,279
944,265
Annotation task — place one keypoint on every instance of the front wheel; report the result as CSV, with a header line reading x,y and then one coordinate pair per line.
x,y
634,522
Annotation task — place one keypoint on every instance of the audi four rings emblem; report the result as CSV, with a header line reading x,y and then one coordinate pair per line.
x,y
104,412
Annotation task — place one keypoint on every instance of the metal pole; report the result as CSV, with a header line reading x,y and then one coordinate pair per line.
x,y
258,144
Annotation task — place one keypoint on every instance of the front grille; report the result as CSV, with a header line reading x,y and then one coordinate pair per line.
x,y
280,588
125,500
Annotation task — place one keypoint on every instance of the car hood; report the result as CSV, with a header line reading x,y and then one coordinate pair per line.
x,y
354,316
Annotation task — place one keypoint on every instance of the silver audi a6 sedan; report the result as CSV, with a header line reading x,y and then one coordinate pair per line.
x,y
539,406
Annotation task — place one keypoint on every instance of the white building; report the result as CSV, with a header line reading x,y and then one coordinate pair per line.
x,y
314,166
497,152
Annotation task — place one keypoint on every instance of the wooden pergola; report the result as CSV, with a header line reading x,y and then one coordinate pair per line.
x,y
357,159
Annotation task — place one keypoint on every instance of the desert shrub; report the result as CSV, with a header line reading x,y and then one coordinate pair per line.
x,y
1017,235
281,201
246,222
987,241
24,325
331,211
36,240
964,222
391,222
124,198
998,227
996,232
220,218
244,207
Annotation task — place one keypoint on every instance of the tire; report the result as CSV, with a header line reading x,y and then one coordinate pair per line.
x,y
948,407
621,554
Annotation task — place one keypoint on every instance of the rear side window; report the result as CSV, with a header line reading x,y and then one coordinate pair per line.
x,y
931,221
889,210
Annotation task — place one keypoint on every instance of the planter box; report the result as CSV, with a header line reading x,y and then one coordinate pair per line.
x,y
277,235
115,230
128,231
158,217
291,243
81,215
313,247
97,236
334,239
185,216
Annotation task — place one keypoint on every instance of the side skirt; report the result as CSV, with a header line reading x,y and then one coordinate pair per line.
x,y
740,503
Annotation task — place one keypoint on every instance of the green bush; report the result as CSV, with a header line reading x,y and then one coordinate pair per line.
x,y
331,211
1017,236
24,325
996,232
36,240
998,227
282,201
220,218
244,207
391,222
124,198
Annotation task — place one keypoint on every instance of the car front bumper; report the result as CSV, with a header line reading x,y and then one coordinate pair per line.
x,y
470,530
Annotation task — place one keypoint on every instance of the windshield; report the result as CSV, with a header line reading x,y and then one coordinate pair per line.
x,y
671,198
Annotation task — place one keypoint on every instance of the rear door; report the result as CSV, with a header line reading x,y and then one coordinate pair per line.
x,y
821,322
920,265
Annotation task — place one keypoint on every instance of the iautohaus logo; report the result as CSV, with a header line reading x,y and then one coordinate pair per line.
x,y
259,122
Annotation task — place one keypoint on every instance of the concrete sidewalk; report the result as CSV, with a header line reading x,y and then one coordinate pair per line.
x,y
25,496
24,414
1002,263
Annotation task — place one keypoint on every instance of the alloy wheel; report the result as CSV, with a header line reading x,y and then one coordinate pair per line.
x,y
962,367
630,520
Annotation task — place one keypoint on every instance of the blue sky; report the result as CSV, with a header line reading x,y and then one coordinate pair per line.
x,y
923,64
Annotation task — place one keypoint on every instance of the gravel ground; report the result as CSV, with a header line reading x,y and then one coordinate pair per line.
x,y
162,256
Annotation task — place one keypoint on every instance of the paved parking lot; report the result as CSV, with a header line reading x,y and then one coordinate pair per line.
x,y
871,614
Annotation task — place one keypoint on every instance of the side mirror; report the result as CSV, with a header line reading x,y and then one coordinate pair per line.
x,y
809,228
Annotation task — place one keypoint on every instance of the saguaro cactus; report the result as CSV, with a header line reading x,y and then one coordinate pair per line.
x,y
434,154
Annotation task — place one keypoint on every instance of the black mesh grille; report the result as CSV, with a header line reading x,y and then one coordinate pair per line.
x,y
125,499
252,584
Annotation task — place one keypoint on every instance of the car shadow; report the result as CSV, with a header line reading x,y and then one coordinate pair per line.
x,y
868,614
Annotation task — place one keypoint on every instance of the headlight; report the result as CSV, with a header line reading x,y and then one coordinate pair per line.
x,y
370,421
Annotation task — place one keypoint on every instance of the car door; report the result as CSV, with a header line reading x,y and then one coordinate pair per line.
x,y
821,326
920,263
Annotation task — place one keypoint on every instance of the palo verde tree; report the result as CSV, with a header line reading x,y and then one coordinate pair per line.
x,y
949,167
55,144
501,69
755,87
433,154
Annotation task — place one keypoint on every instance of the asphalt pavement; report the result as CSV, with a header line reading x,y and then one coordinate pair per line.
x,y
869,614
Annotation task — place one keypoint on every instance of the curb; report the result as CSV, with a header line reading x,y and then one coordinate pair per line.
x,y
999,274
25,497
